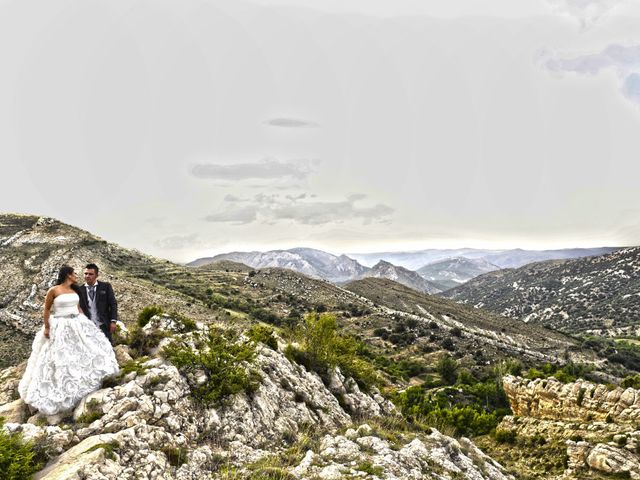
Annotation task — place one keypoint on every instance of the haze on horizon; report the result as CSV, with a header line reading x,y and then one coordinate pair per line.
x,y
187,129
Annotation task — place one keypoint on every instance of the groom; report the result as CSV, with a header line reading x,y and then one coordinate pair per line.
x,y
98,301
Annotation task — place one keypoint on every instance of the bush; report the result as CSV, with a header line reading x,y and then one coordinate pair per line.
x,y
323,348
142,343
448,344
447,367
266,316
263,334
222,358
470,409
456,332
17,458
147,312
565,374
381,332
465,377
632,381
505,436
188,324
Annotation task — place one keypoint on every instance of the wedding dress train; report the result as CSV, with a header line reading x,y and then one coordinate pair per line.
x,y
68,365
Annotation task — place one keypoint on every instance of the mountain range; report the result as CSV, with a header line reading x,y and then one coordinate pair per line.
x,y
297,420
428,271
594,294
512,258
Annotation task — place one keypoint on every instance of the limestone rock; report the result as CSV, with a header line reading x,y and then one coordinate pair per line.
x,y
150,427
581,400
14,412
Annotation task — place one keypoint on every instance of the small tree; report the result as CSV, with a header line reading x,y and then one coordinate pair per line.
x,y
447,367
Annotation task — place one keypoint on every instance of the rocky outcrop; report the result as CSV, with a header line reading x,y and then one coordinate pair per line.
x,y
584,401
598,424
434,456
147,425
605,457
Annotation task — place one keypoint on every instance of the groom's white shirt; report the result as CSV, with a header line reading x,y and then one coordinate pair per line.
x,y
93,307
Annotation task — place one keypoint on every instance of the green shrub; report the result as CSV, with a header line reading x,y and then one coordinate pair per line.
x,y
447,367
188,324
470,409
221,356
368,467
323,348
402,369
565,374
92,413
508,367
17,458
147,312
465,377
632,381
264,315
505,436
142,343
263,334
448,344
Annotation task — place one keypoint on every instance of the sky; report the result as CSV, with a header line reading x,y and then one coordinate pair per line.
x,y
194,127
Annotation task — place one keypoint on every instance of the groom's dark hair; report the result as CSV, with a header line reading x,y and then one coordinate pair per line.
x,y
92,266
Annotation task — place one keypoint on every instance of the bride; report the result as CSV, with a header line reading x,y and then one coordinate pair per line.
x,y
70,355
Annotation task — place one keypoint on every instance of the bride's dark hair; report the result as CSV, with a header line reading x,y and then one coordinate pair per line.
x,y
63,273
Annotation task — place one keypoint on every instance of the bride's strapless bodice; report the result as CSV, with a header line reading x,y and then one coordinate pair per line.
x,y
65,304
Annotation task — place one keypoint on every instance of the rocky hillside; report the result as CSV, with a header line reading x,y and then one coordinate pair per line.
x,y
482,335
593,429
149,423
594,294
452,272
32,249
403,276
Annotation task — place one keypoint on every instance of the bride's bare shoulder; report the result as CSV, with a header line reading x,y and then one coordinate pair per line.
x,y
53,291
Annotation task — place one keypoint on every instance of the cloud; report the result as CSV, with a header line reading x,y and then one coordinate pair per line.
x,y
587,12
178,242
621,59
320,213
235,215
272,208
267,169
291,123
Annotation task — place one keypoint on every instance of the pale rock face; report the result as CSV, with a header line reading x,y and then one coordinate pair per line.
x,y
604,458
429,456
9,379
549,408
135,429
13,412
552,400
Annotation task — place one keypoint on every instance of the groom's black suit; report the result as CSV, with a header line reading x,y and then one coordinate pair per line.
x,y
105,303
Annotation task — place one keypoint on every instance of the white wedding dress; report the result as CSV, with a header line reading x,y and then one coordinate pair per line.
x,y
68,365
